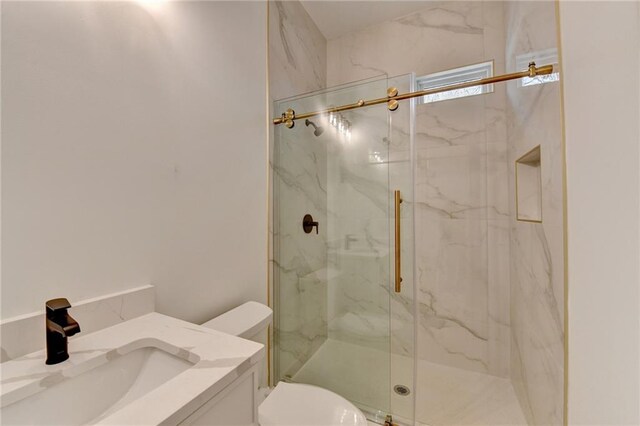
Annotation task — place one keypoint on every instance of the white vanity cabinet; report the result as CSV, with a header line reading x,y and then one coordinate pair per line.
x,y
237,404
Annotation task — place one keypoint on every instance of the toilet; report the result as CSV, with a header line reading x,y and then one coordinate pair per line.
x,y
289,404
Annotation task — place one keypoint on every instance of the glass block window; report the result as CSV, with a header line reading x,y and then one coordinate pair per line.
x,y
454,76
541,57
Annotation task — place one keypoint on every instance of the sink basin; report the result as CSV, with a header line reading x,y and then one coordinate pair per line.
x,y
149,370
100,391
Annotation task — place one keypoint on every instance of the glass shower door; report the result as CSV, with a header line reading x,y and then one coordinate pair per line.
x,y
334,295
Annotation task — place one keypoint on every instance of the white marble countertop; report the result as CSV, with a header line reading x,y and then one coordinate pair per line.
x,y
218,360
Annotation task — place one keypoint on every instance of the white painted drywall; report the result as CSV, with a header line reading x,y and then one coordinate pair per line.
x,y
600,54
134,152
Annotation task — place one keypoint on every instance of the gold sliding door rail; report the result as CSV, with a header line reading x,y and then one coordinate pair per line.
x,y
392,99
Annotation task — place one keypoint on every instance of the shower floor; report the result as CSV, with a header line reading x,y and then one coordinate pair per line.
x,y
447,396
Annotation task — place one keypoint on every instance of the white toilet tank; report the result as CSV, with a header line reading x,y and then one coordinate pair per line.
x,y
249,321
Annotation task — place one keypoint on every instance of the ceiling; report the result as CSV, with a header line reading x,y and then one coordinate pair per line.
x,y
336,18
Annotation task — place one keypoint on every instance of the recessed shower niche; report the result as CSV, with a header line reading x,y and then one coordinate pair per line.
x,y
529,187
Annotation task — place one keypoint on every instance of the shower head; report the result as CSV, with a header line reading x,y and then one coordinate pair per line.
x,y
318,130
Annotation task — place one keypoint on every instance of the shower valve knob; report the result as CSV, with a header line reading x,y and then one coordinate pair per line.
x,y
308,224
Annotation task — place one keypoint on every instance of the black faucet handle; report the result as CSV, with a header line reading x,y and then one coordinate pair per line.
x,y
308,224
56,305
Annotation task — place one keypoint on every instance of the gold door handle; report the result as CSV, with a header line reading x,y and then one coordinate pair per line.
x,y
398,262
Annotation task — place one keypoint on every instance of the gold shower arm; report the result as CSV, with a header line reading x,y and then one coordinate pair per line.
x,y
393,97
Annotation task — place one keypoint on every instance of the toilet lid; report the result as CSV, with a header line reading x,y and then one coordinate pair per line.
x,y
306,405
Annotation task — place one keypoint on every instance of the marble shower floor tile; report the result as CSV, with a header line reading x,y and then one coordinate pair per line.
x,y
445,396
453,396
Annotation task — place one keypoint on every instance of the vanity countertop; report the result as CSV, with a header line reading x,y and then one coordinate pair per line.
x,y
218,359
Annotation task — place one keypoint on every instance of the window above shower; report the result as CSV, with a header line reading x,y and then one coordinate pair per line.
x,y
455,76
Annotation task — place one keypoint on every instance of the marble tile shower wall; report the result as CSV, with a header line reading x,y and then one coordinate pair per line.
x,y
361,172
297,64
537,257
462,215
358,203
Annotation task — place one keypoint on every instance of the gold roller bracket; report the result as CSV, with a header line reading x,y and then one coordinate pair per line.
x,y
287,118
393,104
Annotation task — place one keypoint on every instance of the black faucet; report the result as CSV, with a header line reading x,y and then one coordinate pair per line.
x,y
59,326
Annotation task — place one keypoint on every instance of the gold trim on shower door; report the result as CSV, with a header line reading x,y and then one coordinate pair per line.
x,y
565,223
398,256
269,205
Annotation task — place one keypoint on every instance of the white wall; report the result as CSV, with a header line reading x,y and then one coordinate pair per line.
x,y
600,53
134,152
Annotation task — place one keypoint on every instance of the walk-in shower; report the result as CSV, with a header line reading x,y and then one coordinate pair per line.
x,y
433,289
344,296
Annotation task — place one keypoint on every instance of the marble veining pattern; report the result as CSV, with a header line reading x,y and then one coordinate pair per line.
x,y
442,36
461,203
358,204
482,278
25,334
298,166
215,357
444,19
537,265
299,174
297,51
